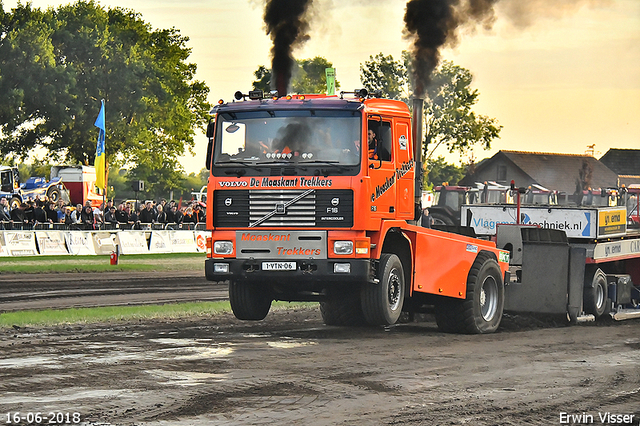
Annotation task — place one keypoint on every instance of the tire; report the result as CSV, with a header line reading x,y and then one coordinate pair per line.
x,y
595,298
248,301
343,312
382,302
481,311
439,219
15,202
53,194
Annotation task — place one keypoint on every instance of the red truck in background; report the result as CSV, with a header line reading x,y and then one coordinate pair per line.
x,y
80,182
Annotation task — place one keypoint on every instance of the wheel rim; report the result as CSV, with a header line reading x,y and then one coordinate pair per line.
x,y
489,298
394,290
599,296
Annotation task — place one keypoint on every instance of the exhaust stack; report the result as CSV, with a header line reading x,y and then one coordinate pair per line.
x,y
418,107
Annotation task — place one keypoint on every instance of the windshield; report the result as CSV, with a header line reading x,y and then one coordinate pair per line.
x,y
288,137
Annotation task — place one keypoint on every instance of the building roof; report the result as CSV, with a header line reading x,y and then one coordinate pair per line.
x,y
558,171
623,161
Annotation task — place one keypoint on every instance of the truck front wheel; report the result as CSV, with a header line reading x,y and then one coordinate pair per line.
x,y
481,311
382,302
248,301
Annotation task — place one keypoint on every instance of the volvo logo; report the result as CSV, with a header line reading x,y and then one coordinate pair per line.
x,y
228,202
281,209
335,201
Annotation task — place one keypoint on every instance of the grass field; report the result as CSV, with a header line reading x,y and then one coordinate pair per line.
x,y
141,262
51,317
100,264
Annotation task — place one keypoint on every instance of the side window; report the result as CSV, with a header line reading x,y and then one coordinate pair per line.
x,y
385,141
379,140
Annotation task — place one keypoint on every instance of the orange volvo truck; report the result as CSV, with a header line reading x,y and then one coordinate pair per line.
x,y
317,198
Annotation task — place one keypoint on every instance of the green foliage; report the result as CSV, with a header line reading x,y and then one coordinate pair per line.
x,y
308,76
56,66
449,118
439,171
263,79
384,74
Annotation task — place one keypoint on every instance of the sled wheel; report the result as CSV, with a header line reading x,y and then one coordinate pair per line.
x,y
595,299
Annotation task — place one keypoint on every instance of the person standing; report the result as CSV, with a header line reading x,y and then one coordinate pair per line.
x,y
121,214
5,211
162,215
147,215
87,217
75,215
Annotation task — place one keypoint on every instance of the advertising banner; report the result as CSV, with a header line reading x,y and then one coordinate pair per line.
x,y
576,223
183,242
20,243
132,242
3,251
160,242
79,243
104,242
201,241
51,243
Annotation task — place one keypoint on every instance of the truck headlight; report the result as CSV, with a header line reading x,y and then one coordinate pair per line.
x,y
343,247
223,247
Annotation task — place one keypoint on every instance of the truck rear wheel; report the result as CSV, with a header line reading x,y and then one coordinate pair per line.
x,y
53,194
248,301
481,311
596,300
346,311
15,202
382,302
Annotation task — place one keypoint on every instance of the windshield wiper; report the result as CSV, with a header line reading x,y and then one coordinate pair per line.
x,y
238,172
330,163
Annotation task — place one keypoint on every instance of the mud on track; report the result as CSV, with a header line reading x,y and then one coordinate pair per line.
x,y
291,369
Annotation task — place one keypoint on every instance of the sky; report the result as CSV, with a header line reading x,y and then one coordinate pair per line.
x,y
558,75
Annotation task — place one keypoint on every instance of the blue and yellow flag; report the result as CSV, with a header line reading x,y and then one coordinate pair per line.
x,y
100,162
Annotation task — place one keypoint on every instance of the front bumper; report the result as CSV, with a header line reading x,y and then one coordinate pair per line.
x,y
309,273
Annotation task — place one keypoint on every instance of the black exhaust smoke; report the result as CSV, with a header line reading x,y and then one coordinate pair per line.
x,y
433,24
287,24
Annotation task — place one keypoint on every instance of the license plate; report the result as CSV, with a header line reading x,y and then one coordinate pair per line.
x,y
278,266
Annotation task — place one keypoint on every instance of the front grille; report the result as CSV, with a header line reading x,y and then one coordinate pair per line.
x,y
257,208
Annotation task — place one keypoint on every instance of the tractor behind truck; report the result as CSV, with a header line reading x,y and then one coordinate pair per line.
x,y
17,192
317,198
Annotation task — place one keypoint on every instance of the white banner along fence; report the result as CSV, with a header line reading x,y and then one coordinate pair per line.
x,y
49,243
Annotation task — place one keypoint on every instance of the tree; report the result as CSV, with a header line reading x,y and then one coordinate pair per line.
x,y
308,76
449,119
384,74
448,115
439,171
56,66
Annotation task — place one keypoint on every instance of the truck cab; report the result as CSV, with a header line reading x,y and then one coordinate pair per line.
x,y
313,198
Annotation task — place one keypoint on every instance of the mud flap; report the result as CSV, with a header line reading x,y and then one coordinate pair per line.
x,y
552,275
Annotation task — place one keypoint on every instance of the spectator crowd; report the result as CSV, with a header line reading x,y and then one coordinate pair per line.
x,y
41,213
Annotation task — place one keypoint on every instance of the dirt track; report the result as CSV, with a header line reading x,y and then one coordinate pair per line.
x,y
291,369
